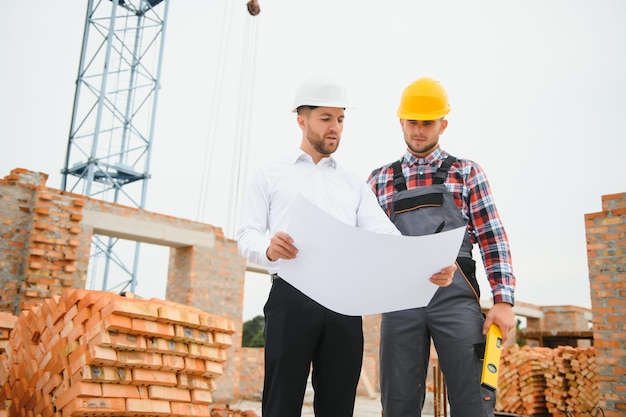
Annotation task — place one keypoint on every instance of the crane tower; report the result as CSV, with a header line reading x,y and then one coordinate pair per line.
x,y
113,120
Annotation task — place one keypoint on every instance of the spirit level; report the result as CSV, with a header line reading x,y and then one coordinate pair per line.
x,y
491,361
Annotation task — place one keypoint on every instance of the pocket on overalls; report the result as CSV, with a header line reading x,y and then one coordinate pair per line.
x,y
468,267
419,215
419,201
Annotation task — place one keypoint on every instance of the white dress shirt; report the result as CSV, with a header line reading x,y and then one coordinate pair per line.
x,y
273,188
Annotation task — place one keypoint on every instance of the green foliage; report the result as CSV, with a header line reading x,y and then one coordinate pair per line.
x,y
520,341
253,332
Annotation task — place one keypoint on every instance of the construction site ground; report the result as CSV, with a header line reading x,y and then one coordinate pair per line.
x,y
364,407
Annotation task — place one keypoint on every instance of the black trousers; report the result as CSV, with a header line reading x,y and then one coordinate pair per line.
x,y
301,335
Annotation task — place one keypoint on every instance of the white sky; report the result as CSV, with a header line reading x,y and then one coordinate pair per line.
x,y
537,90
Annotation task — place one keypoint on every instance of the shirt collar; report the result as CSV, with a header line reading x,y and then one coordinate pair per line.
x,y
432,158
300,155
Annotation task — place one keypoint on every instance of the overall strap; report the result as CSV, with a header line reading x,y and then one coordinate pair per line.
x,y
398,178
442,172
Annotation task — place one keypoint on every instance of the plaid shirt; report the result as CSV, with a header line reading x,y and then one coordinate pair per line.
x,y
468,184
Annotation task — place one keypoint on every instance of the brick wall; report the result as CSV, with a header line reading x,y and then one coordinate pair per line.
x,y
251,374
606,246
40,239
565,318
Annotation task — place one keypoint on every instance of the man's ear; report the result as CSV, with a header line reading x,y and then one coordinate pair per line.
x,y
301,121
444,124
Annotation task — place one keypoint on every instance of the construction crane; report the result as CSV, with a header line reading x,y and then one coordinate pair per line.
x,y
112,125
113,119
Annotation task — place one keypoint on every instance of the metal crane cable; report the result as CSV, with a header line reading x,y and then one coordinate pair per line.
x,y
241,151
214,110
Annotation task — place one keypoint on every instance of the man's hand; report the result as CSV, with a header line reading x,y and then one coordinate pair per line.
x,y
281,247
443,278
502,315
253,7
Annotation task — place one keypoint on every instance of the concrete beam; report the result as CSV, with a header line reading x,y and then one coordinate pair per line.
x,y
138,230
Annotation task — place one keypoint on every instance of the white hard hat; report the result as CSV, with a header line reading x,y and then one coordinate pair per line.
x,y
320,91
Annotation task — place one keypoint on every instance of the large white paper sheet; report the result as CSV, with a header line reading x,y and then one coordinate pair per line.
x,y
356,272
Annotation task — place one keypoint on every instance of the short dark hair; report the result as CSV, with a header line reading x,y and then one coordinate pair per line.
x,y
305,106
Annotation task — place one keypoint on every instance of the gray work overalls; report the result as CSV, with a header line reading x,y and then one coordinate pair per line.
x,y
453,318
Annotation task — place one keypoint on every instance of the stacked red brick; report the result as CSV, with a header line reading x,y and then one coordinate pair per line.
x,y
539,381
522,381
94,353
571,386
7,323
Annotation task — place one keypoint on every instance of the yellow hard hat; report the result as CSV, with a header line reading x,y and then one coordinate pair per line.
x,y
424,99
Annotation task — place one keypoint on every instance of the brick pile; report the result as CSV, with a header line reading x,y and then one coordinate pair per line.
x,y
522,381
540,381
95,353
571,386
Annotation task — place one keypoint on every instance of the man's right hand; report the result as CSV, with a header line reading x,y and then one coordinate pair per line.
x,y
281,247
443,278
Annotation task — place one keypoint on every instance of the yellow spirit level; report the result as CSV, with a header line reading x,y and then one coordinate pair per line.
x,y
491,361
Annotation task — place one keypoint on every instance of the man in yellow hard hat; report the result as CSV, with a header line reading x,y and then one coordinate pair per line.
x,y
301,334
429,191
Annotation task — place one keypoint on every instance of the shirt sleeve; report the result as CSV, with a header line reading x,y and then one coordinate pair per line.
x,y
371,216
253,235
377,181
490,236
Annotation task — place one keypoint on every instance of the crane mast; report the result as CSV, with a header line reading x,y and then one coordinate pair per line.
x,y
113,121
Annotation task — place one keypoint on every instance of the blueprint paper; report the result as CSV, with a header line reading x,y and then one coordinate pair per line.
x,y
357,272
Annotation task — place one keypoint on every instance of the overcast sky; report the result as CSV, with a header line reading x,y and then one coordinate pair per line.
x,y
537,90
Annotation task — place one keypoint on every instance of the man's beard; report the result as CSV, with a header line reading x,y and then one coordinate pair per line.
x,y
319,144
424,149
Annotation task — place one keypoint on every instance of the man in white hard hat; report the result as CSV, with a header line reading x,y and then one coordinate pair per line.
x,y
299,332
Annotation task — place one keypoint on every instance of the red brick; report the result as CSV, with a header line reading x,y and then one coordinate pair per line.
x,y
120,391
189,334
160,345
151,376
193,381
199,396
189,409
153,407
194,366
117,340
106,374
212,369
84,406
222,340
170,314
117,323
132,308
152,328
172,362
143,359
159,392
81,389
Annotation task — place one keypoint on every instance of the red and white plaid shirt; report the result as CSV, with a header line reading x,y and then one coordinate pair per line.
x,y
468,184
